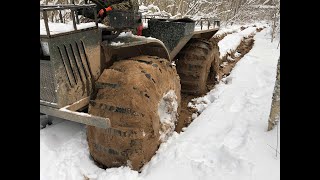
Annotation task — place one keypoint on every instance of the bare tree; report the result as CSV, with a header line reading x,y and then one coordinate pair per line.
x,y
275,106
228,11
276,20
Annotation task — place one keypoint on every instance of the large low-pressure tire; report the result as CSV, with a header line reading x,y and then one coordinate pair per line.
x,y
215,72
194,63
141,97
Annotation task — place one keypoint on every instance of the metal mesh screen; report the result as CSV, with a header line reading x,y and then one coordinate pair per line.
x,y
47,87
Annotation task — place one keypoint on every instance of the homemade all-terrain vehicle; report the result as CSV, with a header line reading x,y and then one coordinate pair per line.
x,y
126,90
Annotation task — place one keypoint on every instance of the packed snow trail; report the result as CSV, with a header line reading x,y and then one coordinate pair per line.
x,y
227,141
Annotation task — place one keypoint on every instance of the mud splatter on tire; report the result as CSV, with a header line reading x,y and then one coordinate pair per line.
x,y
129,94
194,63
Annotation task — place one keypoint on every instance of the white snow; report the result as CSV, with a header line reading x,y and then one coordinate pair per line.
x,y
153,7
247,32
229,43
228,140
143,8
266,2
62,148
230,58
145,24
227,30
56,28
264,6
232,41
116,43
167,111
176,16
236,54
126,34
152,11
148,37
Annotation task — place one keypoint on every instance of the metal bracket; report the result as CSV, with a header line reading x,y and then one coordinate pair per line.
x,y
69,113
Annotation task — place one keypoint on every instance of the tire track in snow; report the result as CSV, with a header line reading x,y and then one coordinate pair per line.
x,y
243,34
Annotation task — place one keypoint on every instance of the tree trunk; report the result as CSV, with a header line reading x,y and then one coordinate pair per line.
x,y
273,27
275,106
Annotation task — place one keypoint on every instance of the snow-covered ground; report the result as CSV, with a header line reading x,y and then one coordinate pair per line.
x,y
225,30
232,41
227,141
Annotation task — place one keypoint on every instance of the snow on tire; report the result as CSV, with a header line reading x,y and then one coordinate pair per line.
x,y
141,97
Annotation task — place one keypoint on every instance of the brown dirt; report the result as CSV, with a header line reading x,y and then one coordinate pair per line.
x,y
259,29
185,113
243,28
129,93
244,47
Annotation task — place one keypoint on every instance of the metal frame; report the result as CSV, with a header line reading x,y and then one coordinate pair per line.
x,y
70,113
146,18
75,60
69,109
74,15
216,23
175,33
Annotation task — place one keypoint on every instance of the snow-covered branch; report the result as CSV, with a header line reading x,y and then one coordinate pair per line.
x,y
239,11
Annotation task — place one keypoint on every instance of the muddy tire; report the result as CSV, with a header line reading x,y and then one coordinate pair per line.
x,y
194,63
132,93
215,72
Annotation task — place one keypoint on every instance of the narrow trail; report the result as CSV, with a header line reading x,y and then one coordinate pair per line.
x,y
227,63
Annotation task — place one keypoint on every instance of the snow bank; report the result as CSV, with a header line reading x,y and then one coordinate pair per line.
x,y
229,43
232,41
228,30
248,32
121,173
